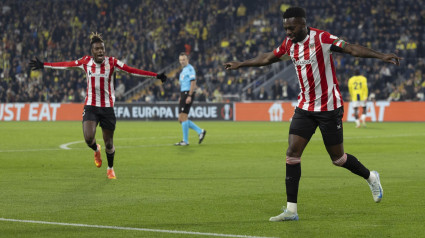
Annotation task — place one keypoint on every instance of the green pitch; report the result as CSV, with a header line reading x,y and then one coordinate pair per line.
x,y
227,187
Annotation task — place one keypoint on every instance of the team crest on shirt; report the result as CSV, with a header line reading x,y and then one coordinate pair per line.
x,y
312,46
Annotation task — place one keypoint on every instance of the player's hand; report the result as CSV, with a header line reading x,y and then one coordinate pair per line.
x,y
36,64
162,77
391,58
232,65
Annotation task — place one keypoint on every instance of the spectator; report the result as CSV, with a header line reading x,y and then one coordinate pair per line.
x,y
217,95
249,95
168,33
119,90
395,95
287,92
277,90
262,95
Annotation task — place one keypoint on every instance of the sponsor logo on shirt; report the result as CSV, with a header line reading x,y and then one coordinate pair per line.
x,y
303,62
91,74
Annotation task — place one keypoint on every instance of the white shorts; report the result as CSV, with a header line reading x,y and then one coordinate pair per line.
x,y
359,103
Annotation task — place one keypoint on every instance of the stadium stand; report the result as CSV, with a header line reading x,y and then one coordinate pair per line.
x,y
150,34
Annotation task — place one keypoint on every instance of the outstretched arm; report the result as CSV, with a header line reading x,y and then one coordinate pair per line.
x,y
364,52
140,73
38,64
260,60
136,72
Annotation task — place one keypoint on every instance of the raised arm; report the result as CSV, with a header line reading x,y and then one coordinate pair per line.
x,y
364,52
260,60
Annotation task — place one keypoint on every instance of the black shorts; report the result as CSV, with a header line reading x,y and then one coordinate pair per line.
x,y
103,115
183,107
304,124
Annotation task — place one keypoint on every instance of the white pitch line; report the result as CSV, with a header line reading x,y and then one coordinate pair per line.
x,y
65,146
29,150
133,228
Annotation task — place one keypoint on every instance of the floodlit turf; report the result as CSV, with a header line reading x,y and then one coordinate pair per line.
x,y
231,184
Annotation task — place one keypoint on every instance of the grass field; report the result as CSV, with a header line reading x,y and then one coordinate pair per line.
x,y
227,187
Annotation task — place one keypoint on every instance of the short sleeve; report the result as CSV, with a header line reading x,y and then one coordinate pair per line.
x,y
328,38
119,63
191,73
281,50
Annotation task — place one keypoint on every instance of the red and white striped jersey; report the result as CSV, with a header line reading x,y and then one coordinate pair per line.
x,y
100,81
315,69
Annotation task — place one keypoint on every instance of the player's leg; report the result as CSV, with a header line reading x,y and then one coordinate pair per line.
x,y
183,119
332,134
185,129
295,149
201,132
89,132
356,116
90,120
108,138
350,162
107,123
363,115
301,129
194,127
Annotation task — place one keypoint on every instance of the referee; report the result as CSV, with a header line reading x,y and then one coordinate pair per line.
x,y
187,92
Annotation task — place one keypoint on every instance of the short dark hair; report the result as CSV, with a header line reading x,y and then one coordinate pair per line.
x,y
95,38
184,53
294,12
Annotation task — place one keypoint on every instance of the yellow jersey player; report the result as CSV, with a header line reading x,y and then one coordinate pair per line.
x,y
357,86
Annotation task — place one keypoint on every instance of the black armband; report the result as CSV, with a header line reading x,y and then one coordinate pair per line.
x,y
335,48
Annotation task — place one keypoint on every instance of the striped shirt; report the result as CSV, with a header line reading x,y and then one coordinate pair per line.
x,y
312,58
100,77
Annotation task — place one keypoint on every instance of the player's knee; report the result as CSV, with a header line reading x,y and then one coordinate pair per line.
x,y
341,161
292,153
89,140
293,160
110,149
109,146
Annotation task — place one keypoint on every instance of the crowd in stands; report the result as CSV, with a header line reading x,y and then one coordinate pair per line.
x,y
143,34
150,34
